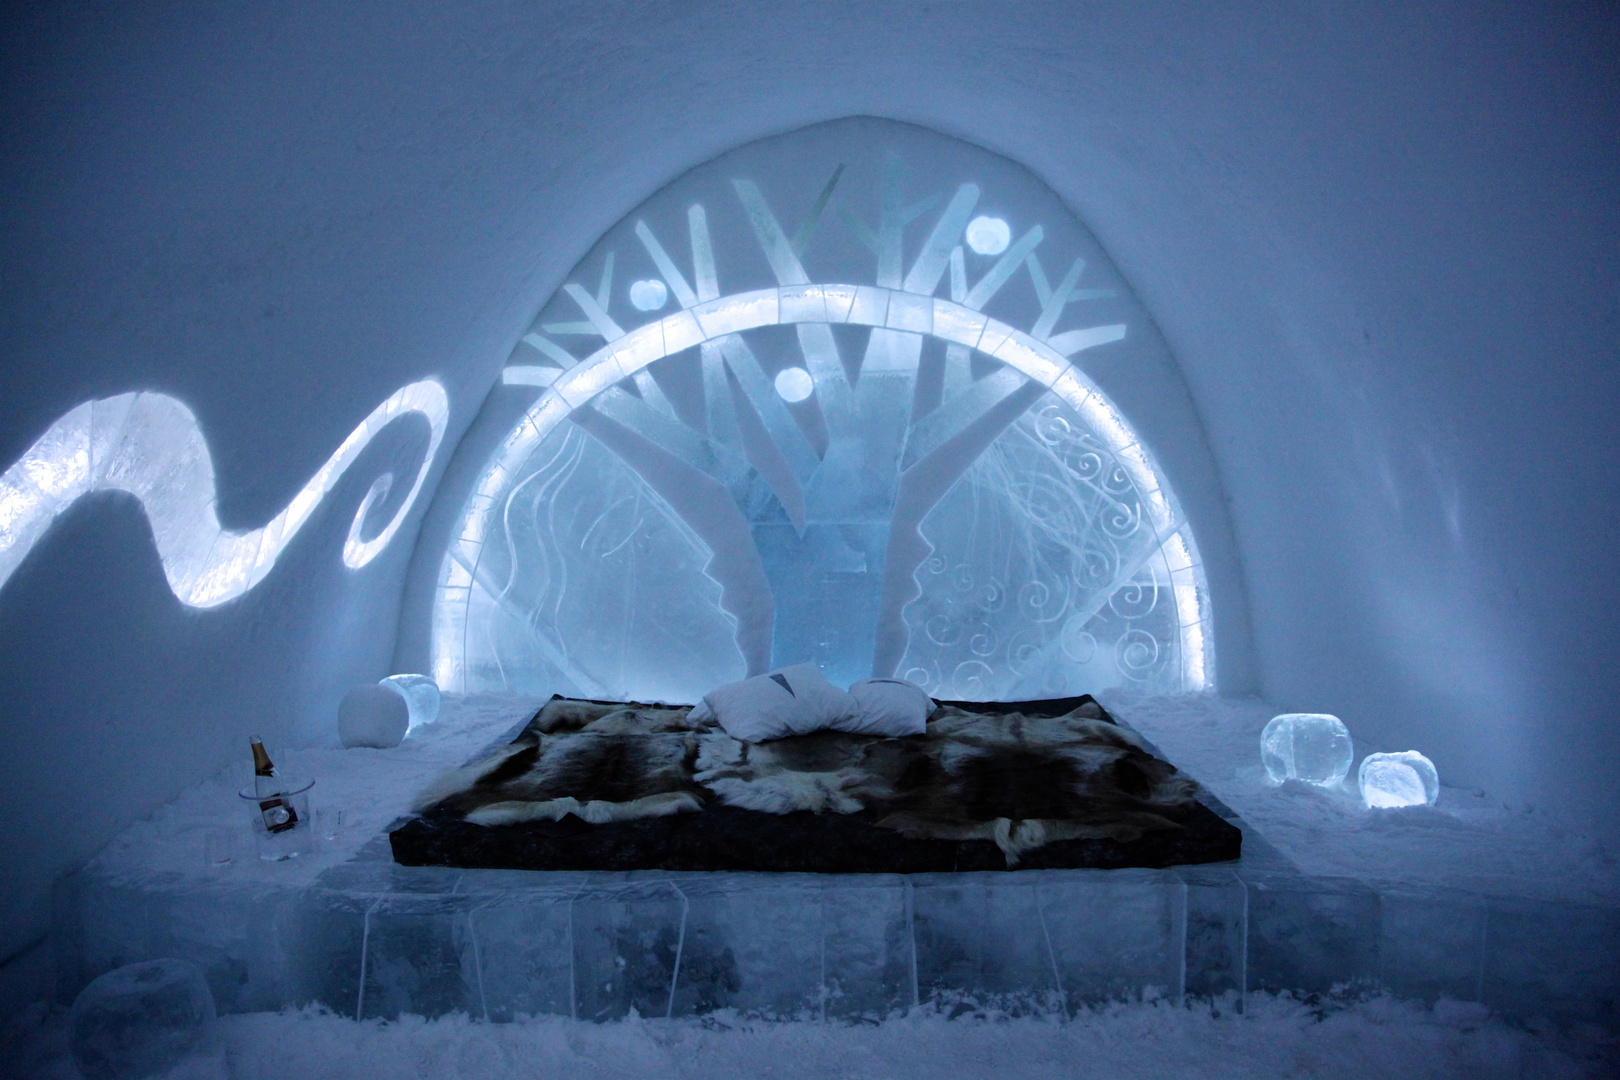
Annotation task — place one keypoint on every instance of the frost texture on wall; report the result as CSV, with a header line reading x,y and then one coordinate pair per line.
x,y
150,446
825,399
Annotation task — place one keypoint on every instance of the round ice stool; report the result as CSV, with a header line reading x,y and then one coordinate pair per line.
x,y
1313,747
373,715
1404,779
150,1019
421,697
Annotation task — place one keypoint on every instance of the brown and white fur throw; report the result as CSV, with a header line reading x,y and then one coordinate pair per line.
x,y
1021,781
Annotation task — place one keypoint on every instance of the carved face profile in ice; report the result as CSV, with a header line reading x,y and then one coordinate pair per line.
x,y
862,433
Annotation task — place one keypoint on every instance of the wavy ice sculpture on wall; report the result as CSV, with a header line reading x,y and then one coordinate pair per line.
x,y
871,445
149,445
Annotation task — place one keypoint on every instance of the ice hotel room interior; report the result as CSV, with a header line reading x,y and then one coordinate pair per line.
x,y
789,538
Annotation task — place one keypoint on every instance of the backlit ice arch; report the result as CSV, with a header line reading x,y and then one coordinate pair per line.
x,y
150,446
786,486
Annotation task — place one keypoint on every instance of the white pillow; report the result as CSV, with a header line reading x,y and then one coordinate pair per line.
x,y
789,701
888,707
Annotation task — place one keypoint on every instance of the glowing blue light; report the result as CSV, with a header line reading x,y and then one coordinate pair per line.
x,y
648,295
150,446
863,447
794,384
988,235
1313,747
1404,779
421,696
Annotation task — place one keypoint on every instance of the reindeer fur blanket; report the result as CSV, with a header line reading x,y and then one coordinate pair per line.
x,y
1017,779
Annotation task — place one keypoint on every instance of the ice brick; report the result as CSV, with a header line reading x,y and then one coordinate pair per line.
x,y
979,941
868,959
1113,933
1310,934
627,947
321,935
382,878
1216,929
419,959
752,943
226,929
525,954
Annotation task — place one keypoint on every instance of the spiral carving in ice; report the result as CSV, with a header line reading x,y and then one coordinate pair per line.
x,y
149,445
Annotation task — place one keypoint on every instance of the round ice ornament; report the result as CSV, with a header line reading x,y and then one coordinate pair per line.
x,y
648,295
1313,747
421,695
794,384
1404,779
373,715
988,235
144,1020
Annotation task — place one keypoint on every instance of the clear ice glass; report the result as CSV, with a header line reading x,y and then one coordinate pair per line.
x,y
1403,779
1313,747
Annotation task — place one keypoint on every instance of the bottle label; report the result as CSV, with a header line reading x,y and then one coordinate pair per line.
x,y
278,814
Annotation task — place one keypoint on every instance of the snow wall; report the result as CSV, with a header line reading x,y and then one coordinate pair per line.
x,y
1379,242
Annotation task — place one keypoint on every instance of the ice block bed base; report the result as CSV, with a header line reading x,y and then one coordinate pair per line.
x,y
1131,787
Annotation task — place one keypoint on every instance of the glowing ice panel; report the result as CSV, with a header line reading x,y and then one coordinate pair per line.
x,y
592,586
150,446
879,476
1042,581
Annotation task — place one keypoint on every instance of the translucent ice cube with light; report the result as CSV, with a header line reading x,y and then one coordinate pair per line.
x,y
1313,747
1404,779
421,694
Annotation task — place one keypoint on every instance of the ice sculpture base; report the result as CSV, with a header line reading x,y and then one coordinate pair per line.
x,y
366,937
373,939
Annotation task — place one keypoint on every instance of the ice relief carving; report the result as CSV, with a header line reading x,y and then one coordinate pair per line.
x,y
149,445
872,449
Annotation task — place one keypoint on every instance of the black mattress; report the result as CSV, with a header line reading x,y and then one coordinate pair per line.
x,y
728,837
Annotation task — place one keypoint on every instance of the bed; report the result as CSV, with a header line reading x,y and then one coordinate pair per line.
x,y
595,785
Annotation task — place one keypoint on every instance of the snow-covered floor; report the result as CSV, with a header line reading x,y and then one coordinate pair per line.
x,y
1276,1037
1467,840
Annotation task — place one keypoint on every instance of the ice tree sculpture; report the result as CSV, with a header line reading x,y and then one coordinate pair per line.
x,y
820,399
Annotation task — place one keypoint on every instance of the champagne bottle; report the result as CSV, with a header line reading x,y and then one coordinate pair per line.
x,y
279,815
